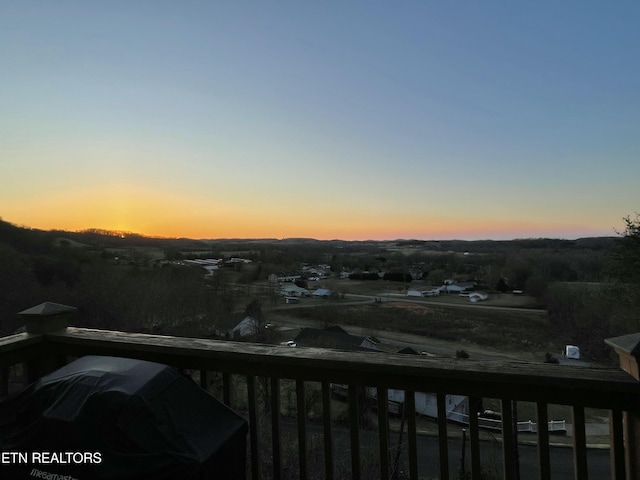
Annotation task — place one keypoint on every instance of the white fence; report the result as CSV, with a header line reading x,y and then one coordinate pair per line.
x,y
496,424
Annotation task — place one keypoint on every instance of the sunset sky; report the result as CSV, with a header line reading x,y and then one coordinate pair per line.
x,y
325,119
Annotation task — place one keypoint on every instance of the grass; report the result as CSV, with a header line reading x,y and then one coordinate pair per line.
x,y
504,330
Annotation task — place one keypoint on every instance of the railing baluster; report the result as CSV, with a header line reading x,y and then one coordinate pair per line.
x,y
412,433
631,422
544,461
354,423
302,428
253,427
4,381
616,433
226,389
275,428
508,438
328,436
443,436
203,380
383,431
579,444
474,438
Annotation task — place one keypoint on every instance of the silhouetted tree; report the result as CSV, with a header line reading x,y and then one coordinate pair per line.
x,y
398,277
627,251
502,286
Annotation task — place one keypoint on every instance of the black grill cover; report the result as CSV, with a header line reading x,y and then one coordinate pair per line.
x,y
141,420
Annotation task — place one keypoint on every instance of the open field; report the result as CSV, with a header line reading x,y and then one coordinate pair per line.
x,y
511,330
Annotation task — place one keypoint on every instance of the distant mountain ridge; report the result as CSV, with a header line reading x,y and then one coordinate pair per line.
x,y
25,239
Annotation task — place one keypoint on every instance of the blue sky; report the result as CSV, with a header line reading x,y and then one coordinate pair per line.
x,y
353,120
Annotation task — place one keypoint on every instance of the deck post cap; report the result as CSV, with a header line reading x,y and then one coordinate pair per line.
x,y
47,317
628,349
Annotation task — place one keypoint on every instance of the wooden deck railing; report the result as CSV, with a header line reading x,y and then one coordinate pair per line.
x,y
542,384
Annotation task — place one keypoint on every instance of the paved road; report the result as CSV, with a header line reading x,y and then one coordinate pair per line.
x,y
491,453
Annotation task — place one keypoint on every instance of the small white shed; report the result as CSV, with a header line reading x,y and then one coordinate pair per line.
x,y
571,351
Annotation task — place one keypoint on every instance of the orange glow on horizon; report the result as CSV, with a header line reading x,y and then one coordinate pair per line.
x,y
184,227
136,209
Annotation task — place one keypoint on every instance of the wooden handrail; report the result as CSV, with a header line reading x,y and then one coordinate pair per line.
x,y
595,387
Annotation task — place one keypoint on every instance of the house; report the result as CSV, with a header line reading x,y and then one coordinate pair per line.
x,y
233,260
204,262
477,297
423,293
408,351
247,326
293,290
334,337
284,277
315,273
209,264
450,286
321,293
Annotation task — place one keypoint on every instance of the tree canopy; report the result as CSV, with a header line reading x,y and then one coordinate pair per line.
x,y
627,251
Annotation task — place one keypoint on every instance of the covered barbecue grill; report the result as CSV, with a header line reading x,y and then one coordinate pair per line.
x,y
130,419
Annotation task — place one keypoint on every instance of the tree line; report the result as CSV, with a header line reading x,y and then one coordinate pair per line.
x,y
589,286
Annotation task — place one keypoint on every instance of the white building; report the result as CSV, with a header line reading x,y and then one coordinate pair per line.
x,y
571,351
477,297
427,404
292,290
